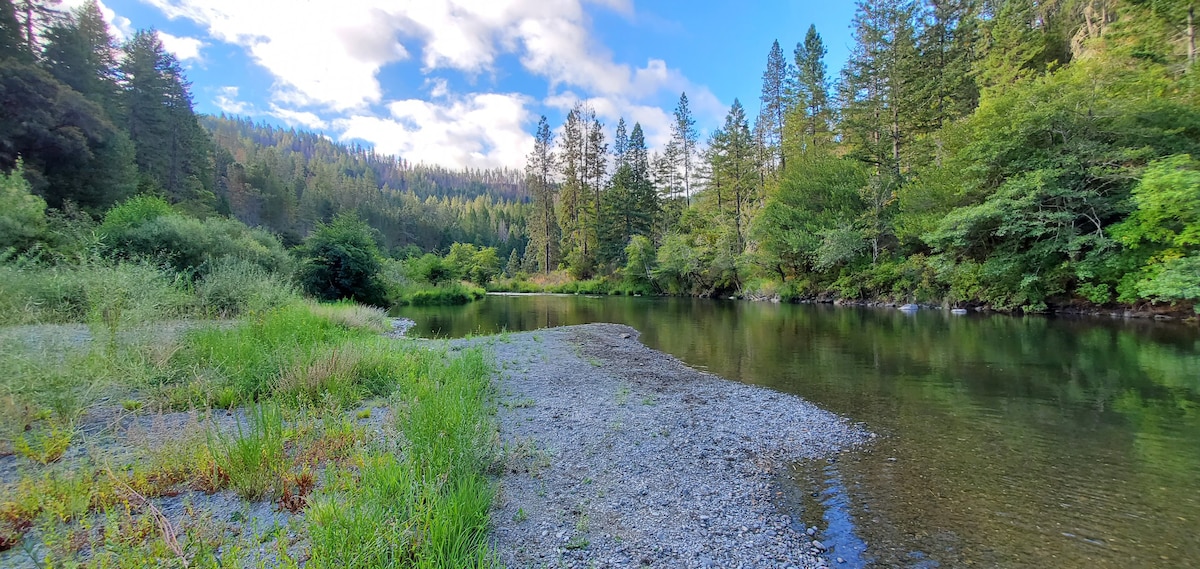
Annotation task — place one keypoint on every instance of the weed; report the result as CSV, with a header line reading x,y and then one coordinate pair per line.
x,y
45,444
523,403
521,515
623,394
252,460
296,486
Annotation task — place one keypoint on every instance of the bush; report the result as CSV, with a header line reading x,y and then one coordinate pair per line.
x,y
341,261
233,287
122,292
22,214
148,227
445,295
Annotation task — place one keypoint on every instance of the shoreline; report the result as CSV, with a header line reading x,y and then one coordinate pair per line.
x,y
1157,314
622,456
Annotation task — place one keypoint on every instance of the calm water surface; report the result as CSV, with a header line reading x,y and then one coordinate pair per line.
x,y
1005,441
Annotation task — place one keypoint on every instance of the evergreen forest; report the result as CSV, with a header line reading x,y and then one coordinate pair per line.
x,y
1018,155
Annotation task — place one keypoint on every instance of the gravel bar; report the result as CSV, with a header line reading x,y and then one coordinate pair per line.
x,y
622,456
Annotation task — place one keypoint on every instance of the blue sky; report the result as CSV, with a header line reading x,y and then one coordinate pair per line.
x,y
461,83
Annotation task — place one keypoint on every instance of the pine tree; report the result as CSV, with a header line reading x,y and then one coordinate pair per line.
x,y
734,169
597,166
946,51
543,225
81,53
878,84
776,98
812,117
573,193
620,143
684,135
12,41
173,150
630,203
35,16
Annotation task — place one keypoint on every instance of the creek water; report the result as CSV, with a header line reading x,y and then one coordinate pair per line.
x,y
1003,441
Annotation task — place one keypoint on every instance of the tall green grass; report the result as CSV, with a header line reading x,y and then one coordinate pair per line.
x,y
254,458
123,293
440,295
434,496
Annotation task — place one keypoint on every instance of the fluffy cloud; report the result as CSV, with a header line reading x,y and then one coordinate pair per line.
x,y
184,48
227,101
480,130
320,53
325,59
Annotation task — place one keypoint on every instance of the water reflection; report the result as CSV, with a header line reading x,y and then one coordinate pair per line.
x,y
1017,441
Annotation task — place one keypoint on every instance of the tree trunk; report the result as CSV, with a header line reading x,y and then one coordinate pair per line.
x,y
1191,34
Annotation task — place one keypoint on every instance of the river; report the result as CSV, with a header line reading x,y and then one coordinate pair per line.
x,y
1004,441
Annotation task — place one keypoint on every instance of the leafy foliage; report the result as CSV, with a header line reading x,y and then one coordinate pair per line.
x,y
341,261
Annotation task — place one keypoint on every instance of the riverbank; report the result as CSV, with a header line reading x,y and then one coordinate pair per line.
x,y
618,455
276,440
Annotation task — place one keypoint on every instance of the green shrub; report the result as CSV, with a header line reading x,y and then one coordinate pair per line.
x,y
341,261
234,286
120,293
193,245
22,214
444,295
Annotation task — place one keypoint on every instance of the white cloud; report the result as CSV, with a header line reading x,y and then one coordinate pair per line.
x,y
320,53
227,101
298,118
325,59
481,130
184,48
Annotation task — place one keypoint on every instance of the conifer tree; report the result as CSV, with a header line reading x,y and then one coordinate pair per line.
x,y
81,53
812,116
684,135
776,99
12,40
878,87
946,50
173,150
543,224
35,16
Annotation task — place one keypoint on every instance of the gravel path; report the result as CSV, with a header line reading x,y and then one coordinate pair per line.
x,y
622,456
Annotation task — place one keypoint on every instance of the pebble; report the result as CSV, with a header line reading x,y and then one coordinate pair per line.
x,y
669,482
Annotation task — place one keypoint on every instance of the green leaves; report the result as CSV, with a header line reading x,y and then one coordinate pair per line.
x,y
341,261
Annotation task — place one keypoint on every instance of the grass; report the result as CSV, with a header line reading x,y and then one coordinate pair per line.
x,y
440,295
252,460
295,377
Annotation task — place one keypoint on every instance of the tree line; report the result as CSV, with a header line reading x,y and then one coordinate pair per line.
x,y
1011,153
91,122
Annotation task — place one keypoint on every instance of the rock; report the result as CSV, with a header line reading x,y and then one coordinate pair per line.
x,y
840,560
909,307
625,336
811,531
818,545
958,311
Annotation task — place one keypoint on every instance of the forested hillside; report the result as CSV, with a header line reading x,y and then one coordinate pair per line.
x,y
288,181
92,122
1014,154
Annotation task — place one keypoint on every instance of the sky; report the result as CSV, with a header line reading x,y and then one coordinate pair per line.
x,y
462,83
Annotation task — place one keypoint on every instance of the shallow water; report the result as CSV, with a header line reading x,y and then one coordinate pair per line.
x,y
1005,441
